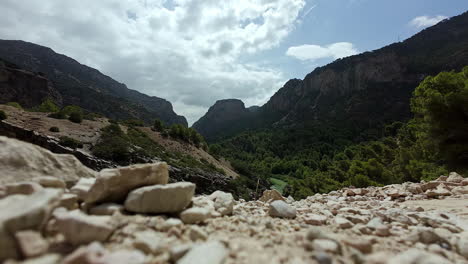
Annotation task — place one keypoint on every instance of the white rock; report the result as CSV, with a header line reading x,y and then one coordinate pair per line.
x,y
168,198
113,185
46,259
325,245
196,233
462,245
82,187
213,252
20,212
455,177
95,253
31,243
194,215
280,208
51,182
417,256
439,191
315,219
179,251
69,201
79,228
106,209
271,195
25,188
223,202
21,161
170,223
150,242
343,222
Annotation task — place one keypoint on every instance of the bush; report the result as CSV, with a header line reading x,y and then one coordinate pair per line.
x,y
134,123
113,145
14,104
58,115
47,106
54,129
70,109
158,125
76,117
3,116
70,142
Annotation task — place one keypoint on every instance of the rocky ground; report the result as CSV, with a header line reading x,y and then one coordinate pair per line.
x,y
54,210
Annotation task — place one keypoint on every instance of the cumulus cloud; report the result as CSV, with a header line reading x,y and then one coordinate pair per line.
x,y
426,21
315,52
186,51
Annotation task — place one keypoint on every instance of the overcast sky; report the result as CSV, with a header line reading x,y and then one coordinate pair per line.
x,y
194,52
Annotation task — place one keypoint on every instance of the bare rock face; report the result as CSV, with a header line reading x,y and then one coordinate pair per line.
x,y
113,185
21,161
20,212
163,198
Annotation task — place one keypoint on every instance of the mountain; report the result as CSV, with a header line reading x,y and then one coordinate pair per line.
x,y
362,91
87,87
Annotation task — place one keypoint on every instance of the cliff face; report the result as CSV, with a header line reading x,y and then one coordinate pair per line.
x,y
27,88
225,117
366,90
87,87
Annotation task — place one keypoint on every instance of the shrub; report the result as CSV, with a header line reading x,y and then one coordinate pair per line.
x,y
134,123
54,129
3,116
70,142
47,106
14,104
158,125
76,117
113,145
69,109
58,115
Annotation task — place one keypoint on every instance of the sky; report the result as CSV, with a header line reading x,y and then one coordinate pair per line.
x,y
194,52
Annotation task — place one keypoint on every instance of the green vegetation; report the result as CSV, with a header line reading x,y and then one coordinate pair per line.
x,y
15,104
70,142
158,125
135,146
3,115
325,158
186,134
133,123
54,129
76,117
47,106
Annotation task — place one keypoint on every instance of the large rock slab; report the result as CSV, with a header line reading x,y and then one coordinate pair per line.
x,y
113,185
168,198
79,228
21,161
20,212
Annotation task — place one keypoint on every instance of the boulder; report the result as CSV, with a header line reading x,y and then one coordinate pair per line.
x,y
280,208
69,201
439,191
213,252
20,212
455,177
106,209
271,195
194,215
79,228
82,187
167,198
150,242
21,161
113,185
31,243
51,182
223,202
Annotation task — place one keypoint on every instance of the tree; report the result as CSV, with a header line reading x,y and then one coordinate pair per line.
x,y
3,116
47,106
76,117
440,104
158,125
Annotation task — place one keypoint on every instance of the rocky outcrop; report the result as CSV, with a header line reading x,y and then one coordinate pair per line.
x,y
24,87
228,116
20,161
362,91
87,87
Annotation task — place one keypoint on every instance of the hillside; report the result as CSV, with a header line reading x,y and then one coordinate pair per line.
x,y
187,160
87,87
357,93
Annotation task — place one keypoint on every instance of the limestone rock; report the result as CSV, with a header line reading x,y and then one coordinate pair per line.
x,y
213,252
462,245
21,161
271,195
25,188
177,252
343,222
168,198
82,187
325,245
150,242
417,256
363,245
280,208
194,215
455,177
79,228
46,259
51,182
439,191
196,233
113,185
31,243
19,212
96,254
69,201
315,219
223,202
106,209
170,223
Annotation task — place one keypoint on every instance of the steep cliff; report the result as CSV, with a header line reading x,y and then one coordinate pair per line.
x,y
87,87
362,91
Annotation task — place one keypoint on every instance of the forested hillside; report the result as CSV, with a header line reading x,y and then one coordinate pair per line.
x,y
301,162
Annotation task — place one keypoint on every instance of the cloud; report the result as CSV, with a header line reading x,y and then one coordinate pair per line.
x,y
316,52
426,21
186,51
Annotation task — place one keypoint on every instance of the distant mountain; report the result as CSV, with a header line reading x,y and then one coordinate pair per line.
x,y
362,91
86,87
